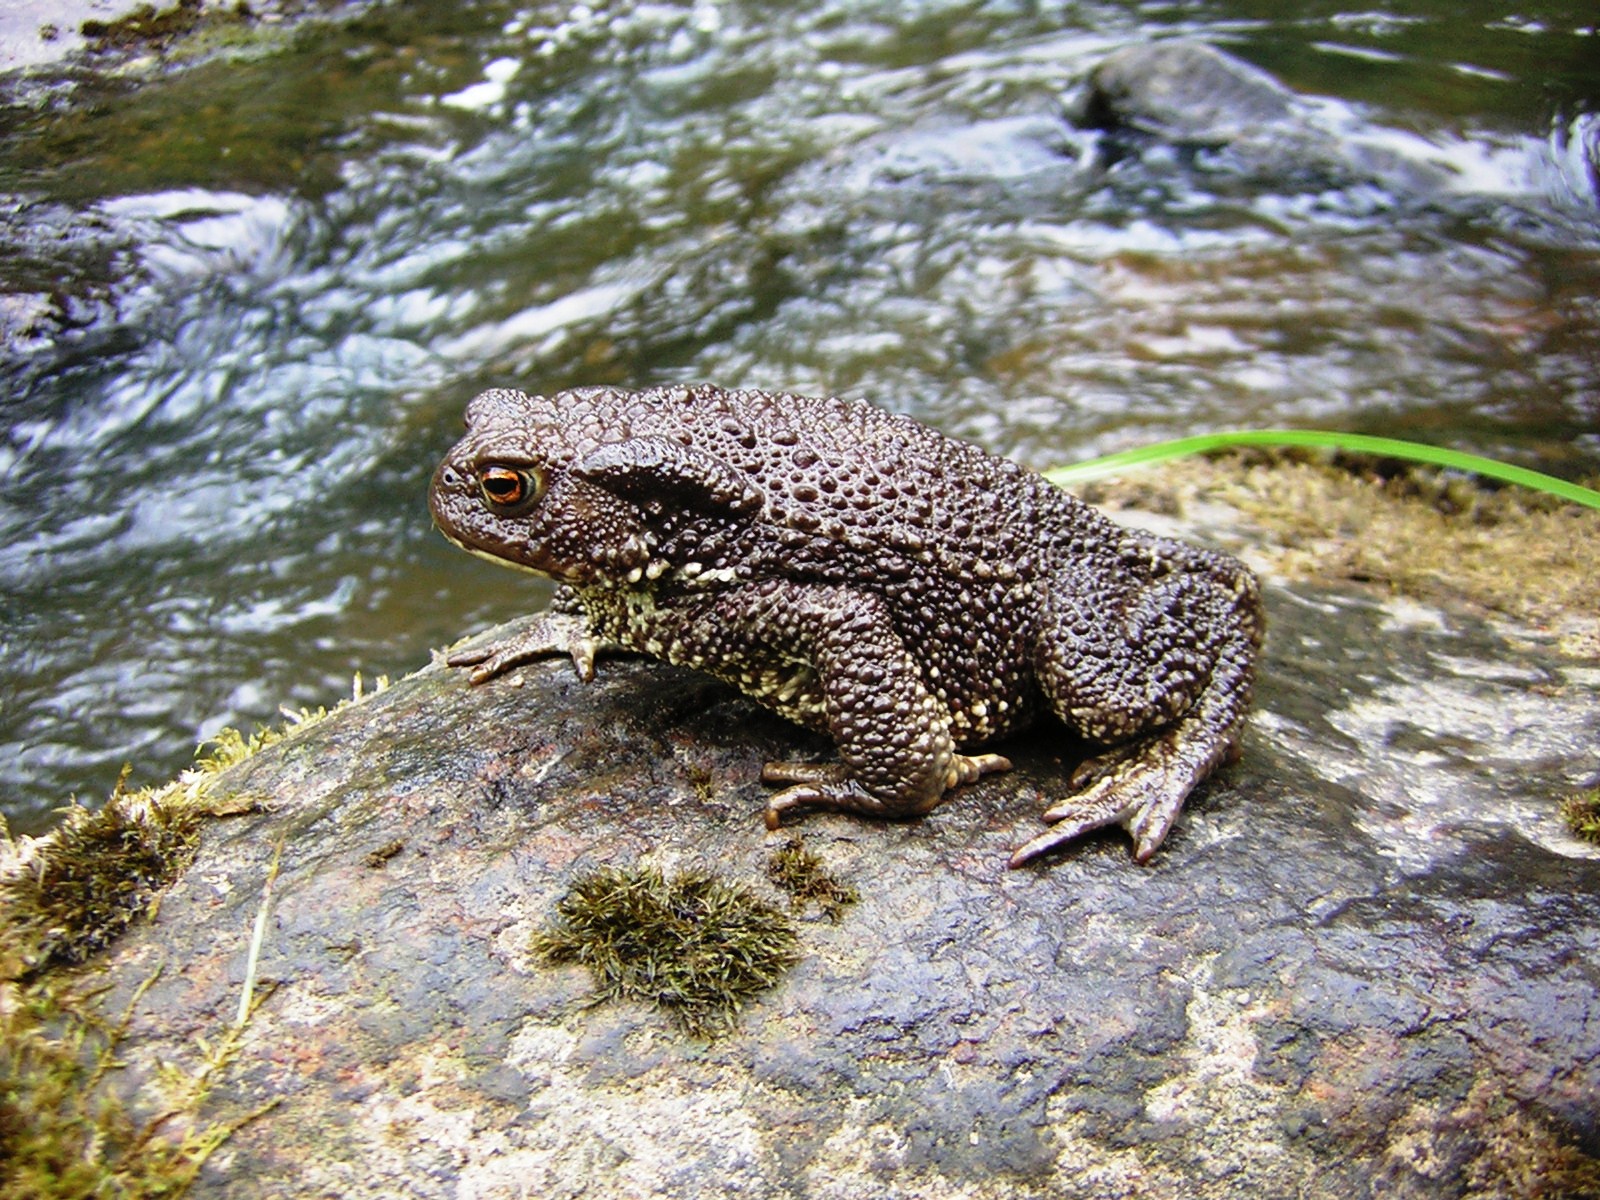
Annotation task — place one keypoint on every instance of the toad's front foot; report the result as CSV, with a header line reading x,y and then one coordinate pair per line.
x,y
830,785
553,633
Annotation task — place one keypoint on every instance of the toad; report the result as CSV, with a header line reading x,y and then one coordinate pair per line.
x,y
910,595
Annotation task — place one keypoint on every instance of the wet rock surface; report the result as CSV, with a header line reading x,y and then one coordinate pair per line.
x,y
42,34
1364,964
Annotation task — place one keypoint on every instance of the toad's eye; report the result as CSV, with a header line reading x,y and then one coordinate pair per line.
x,y
509,489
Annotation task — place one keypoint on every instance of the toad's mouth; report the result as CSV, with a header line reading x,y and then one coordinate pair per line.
x,y
500,560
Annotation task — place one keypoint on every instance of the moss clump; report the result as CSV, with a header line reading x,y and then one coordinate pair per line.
x,y
105,869
800,873
692,945
1581,812
1514,553
64,1134
1519,1153
377,858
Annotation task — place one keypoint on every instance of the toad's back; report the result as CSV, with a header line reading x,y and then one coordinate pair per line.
x,y
852,473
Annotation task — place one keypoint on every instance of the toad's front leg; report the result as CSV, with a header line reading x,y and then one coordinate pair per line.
x,y
831,658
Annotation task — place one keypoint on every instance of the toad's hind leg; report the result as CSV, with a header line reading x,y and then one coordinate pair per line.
x,y
859,683
1167,686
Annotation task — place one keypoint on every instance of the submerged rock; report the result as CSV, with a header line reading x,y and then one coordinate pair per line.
x,y
1185,91
1364,963
1191,95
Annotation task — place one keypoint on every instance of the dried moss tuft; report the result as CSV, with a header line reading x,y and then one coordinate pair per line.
x,y
1581,812
1437,538
1518,1152
693,945
800,872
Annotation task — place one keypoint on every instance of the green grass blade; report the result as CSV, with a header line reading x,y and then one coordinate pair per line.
x,y
1359,443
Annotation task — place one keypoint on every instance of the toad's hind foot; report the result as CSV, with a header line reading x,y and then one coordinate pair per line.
x,y
968,767
817,786
831,785
1141,787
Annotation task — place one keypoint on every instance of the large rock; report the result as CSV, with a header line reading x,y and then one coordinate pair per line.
x,y
1364,964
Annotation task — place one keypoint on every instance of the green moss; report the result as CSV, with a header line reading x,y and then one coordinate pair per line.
x,y
695,946
800,873
104,870
64,1136
1581,811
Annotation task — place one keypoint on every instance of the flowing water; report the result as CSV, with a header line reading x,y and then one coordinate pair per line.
x,y
246,302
